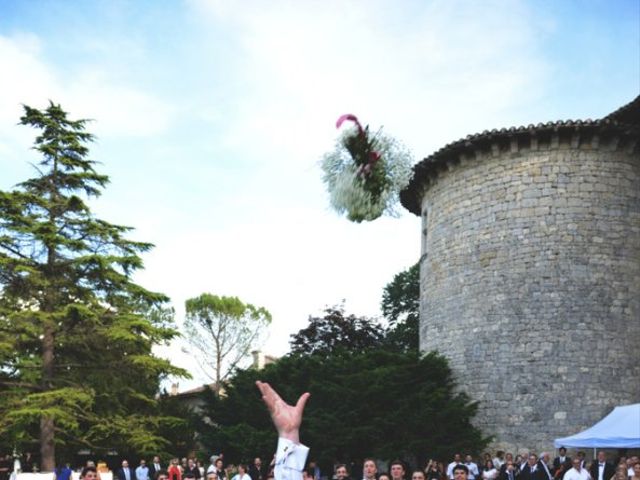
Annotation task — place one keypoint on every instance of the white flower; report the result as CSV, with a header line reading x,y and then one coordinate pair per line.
x,y
347,188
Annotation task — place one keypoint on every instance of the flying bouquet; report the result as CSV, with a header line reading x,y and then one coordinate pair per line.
x,y
365,172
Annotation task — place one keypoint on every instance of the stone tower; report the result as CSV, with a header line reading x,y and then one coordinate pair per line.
x,y
530,272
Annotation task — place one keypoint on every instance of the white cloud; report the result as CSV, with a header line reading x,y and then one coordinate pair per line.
x,y
430,72
85,91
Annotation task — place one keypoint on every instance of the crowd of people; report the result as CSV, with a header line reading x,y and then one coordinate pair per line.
x,y
502,466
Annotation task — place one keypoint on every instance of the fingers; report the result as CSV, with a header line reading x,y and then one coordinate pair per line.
x,y
272,399
302,401
269,395
266,396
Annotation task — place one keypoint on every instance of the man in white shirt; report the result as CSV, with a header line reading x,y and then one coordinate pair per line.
x,y
142,472
577,472
473,468
457,460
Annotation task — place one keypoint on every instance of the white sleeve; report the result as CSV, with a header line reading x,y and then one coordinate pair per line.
x,y
450,470
290,460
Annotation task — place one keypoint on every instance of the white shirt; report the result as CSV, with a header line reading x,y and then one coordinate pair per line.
x,y
450,469
497,463
142,473
490,474
573,474
290,460
473,470
601,471
244,476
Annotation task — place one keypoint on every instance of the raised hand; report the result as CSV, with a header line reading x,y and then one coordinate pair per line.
x,y
286,418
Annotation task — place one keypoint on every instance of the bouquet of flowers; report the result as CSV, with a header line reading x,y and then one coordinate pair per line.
x,y
365,172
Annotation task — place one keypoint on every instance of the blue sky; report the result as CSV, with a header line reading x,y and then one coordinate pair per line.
x,y
211,117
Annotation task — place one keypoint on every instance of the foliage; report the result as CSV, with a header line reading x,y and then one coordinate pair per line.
x,y
76,333
223,330
177,426
335,332
365,173
371,403
401,308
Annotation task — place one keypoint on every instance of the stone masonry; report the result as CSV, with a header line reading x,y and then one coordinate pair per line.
x,y
530,273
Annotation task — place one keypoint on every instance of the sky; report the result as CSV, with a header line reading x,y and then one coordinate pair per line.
x,y
212,117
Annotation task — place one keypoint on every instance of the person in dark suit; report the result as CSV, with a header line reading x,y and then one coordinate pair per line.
x,y
125,472
6,466
543,464
531,470
561,463
601,469
154,468
255,470
508,471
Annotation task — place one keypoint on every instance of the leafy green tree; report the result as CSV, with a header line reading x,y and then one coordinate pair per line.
x,y
178,427
222,332
336,332
76,332
401,308
372,403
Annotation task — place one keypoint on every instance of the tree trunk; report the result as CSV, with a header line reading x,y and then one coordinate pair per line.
x,y
47,445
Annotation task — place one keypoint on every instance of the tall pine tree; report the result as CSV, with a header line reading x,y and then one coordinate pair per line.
x,y
76,332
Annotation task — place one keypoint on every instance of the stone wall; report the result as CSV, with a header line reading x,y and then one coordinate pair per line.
x,y
530,277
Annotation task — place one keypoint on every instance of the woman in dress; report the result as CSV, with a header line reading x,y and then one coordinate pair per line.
x,y
174,471
489,472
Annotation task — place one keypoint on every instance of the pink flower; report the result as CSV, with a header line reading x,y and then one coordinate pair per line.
x,y
350,117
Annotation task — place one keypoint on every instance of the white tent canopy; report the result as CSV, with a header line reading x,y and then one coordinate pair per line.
x,y
619,429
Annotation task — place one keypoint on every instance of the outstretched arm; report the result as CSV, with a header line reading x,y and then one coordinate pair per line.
x,y
290,455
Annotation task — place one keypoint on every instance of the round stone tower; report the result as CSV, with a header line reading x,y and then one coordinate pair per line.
x,y
530,272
